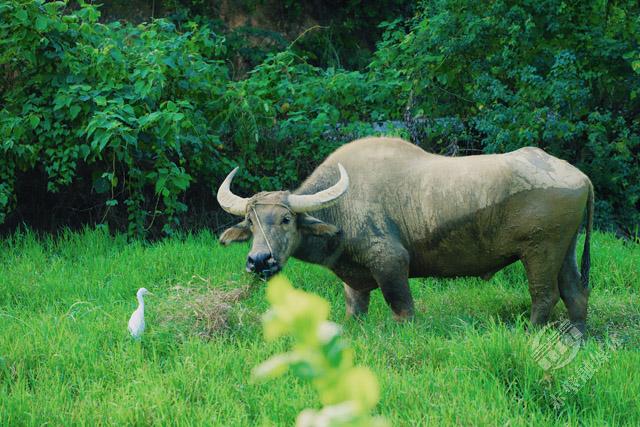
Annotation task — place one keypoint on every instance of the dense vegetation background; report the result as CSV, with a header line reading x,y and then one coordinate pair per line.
x,y
131,121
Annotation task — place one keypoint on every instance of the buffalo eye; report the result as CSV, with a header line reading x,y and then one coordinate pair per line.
x,y
249,221
286,220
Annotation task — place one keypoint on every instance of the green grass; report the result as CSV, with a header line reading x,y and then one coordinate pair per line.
x,y
66,357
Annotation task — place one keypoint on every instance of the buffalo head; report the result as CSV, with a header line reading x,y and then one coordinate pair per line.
x,y
277,220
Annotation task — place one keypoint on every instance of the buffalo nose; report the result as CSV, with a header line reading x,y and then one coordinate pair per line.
x,y
257,262
262,263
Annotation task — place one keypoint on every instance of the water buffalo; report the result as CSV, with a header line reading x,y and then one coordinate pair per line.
x,y
386,210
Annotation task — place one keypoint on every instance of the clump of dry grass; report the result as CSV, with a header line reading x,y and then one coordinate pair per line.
x,y
198,309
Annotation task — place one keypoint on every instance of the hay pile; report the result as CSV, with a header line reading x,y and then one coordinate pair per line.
x,y
199,309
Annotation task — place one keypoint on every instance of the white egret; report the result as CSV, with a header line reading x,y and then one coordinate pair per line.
x,y
136,323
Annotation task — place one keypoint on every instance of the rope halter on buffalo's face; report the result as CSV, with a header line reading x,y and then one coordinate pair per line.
x,y
293,203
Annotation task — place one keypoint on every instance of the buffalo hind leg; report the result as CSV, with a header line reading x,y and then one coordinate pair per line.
x,y
392,276
574,296
357,301
542,273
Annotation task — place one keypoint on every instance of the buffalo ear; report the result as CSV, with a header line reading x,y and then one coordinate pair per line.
x,y
238,233
310,225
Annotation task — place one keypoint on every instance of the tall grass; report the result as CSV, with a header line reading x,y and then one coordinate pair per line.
x,y
66,357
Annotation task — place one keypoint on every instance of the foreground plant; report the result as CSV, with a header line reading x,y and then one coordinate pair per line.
x,y
348,393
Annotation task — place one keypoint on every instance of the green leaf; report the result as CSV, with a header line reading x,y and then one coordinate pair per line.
x,y
53,7
160,183
41,23
333,350
34,121
304,370
21,15
74,110
101,185
100,140
181,181
275,367
100,100
84,151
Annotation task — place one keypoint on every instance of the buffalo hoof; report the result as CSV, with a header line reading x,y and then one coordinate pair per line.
x,y
403,316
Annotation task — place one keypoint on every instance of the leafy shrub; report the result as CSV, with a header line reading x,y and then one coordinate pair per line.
x,y
128,101
344,35
139,114
136,123
319,355
562,76
286,117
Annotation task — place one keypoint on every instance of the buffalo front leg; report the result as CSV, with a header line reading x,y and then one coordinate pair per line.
x,y
357,301
392,276
397,294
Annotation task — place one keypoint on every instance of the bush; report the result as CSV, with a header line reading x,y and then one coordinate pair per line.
x,y
133,116
132,103
136,123
561,76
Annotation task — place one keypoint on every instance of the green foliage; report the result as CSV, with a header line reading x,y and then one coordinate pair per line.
x,y
129,102
336,33
141,122
139,114
319,355
283,120
349,30
562,76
